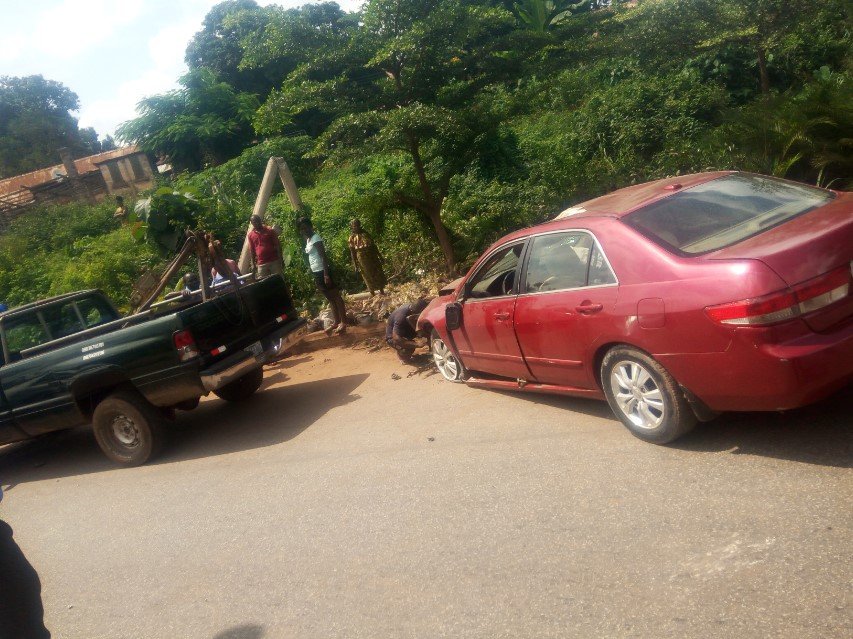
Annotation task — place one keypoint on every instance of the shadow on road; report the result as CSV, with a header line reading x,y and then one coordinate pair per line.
x,y
271,417
820,434
249,631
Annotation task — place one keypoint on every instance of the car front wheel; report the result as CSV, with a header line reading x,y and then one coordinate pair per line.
x,y
445,361
644,396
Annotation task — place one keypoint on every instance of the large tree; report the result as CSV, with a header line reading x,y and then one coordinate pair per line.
x,y
413,80
205,122
35,121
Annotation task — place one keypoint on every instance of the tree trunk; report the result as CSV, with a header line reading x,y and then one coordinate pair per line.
x,y
444,242
433,206
762,70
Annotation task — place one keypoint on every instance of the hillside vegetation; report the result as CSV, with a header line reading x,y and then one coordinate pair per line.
x,y
442,124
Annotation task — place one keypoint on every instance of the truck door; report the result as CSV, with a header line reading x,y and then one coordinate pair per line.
x,y
39,396
9,432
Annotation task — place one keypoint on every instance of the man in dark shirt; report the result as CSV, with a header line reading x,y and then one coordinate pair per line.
x,y
265,246
400,330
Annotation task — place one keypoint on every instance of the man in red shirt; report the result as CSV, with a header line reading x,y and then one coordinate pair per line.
x,y
265,246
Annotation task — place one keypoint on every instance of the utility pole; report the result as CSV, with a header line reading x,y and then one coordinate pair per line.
x,y
274,166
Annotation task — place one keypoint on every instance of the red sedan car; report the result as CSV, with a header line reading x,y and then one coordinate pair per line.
x,y
674,300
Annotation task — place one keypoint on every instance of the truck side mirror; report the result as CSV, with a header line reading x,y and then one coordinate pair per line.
x,y
453,316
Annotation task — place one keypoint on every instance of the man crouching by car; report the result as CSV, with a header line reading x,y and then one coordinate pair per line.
x,y
400,331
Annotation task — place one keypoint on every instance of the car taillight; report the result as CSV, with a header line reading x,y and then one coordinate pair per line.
x,y
185,345
786,304
824,290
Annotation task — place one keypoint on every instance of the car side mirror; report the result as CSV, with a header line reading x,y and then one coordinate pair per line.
x,y
453,316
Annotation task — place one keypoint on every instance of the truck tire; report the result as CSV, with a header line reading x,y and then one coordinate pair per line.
x,y
242,388
128,428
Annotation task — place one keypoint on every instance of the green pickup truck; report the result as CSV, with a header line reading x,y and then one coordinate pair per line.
x,y
73,359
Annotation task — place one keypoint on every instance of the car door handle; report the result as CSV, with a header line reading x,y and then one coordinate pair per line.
x,y
589,309
501,316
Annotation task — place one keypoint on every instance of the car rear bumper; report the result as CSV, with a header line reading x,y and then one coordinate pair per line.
x,y
245,361
754,376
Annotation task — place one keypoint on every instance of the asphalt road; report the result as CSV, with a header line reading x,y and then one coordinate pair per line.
x,y
340,502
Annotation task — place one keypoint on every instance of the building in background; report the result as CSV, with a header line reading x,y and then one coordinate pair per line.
x,y
117,172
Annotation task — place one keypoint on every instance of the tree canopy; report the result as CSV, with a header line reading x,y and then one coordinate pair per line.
x,y
35,120
443,124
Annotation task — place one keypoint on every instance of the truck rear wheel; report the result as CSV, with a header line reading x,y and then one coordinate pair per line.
x,y
242,388
128,428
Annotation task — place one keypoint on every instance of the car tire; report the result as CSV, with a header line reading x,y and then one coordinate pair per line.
x,y
243,388
445,361
128,428
644,396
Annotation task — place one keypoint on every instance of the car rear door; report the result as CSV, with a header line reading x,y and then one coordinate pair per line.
x,y
566,296
486,338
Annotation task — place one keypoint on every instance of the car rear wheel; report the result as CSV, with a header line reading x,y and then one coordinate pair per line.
x,y
242,388
445,361
128,428
644,396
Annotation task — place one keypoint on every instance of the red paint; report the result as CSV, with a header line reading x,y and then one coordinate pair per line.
x,y
554,340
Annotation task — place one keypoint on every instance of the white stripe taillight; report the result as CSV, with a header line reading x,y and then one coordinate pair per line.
x,y
786,304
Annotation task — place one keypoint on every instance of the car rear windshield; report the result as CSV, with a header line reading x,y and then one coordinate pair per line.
x,y
724,211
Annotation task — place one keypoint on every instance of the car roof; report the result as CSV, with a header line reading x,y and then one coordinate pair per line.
x,y
619,203
631,198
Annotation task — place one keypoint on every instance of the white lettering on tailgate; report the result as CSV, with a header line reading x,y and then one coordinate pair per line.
x,y
93,347
93,355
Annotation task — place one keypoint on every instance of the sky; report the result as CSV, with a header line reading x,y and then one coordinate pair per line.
x,y
111,53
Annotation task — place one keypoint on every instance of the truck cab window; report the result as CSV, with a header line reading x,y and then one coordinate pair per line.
x,y
62,320
96,311
23,333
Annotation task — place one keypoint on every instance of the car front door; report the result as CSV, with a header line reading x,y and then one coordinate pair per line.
x,y
486,338
566,295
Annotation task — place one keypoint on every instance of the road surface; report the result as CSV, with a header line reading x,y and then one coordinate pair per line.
x,y
342,502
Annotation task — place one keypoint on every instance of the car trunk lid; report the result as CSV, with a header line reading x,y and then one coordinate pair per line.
x,y
810,253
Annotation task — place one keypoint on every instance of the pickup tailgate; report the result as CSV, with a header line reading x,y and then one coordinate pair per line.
x,y
236,319
803,250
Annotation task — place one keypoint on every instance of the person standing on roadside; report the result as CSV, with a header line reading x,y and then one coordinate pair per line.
x,y
21,609
318,262
366,258
265,247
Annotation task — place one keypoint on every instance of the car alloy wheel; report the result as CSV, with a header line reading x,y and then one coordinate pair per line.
x,y
445,360
637,395
644,396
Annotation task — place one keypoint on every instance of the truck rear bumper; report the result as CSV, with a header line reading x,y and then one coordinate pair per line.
x,y
245,361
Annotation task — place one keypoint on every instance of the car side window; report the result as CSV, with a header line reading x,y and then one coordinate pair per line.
x,y
497,276
599,270
561,261
558,261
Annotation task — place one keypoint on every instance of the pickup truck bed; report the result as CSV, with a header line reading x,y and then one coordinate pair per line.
x,y
62,358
